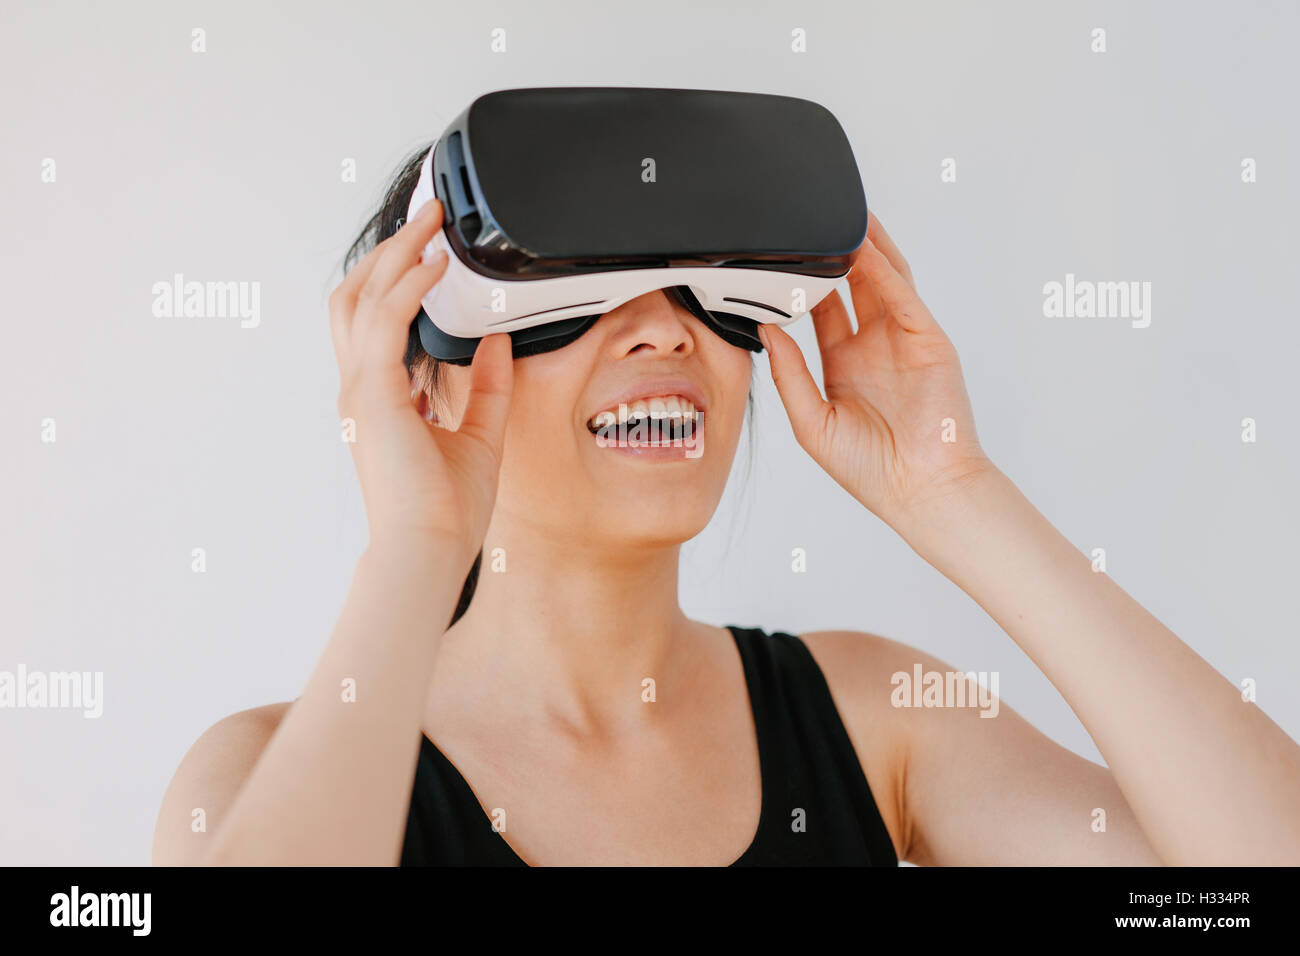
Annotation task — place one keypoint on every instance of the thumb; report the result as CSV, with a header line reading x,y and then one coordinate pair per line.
x,y
491,383
794,383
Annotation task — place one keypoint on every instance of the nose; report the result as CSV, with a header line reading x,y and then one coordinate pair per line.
x,y
651,324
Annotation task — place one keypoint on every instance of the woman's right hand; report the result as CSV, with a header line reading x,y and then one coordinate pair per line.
x,y
417,478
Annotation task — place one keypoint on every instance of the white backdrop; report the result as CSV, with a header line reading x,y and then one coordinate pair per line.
x,y
225,165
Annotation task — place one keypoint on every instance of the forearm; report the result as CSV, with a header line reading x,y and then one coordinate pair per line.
x,y
334,783
1211,778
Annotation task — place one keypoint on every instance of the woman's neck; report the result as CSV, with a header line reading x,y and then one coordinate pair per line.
x,y
574,631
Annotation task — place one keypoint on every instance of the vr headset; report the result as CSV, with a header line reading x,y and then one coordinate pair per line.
x,y
561,204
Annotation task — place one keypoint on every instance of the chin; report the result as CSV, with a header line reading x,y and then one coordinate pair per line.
x,y
663,521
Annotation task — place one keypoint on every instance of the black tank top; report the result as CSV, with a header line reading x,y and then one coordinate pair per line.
x,y
807,764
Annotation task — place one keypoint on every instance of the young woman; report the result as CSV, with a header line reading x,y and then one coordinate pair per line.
x,y
572,714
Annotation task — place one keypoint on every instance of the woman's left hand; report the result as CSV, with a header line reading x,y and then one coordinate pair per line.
x,y
895,428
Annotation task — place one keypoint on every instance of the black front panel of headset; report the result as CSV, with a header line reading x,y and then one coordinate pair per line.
x,y
555,180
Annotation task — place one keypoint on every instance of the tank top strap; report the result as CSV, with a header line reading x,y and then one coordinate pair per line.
x,y
817,804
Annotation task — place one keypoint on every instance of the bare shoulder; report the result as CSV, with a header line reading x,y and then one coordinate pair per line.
x,y
859,669
959,789
207,780
864,672
858,661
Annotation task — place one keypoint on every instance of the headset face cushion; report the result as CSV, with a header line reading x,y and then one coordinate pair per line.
x,y
455,350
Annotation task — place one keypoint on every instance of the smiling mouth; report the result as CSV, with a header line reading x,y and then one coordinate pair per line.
x,y
665,420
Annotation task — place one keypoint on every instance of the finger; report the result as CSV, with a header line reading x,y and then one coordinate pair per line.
x,y
343,300
900,300
356,276
831,322
803,401
491,382
340,326
391,324
876,233
401,252
343,303
866,303
832,325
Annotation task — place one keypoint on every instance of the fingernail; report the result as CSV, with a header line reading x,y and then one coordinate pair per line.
x,y
426,209
762,335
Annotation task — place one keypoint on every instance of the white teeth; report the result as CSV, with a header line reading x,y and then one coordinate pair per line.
x,y
673,407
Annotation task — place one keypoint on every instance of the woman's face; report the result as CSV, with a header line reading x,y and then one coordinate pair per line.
x,y
571,484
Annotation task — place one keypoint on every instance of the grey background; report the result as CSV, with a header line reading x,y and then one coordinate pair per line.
x,y
183,433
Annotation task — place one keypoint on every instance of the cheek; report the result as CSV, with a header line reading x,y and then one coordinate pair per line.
x,y
734,372
541,439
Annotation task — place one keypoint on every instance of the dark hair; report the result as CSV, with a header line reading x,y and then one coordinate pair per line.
x,y
425,370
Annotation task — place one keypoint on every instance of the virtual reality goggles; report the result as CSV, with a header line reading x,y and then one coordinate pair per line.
x,y
561,204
